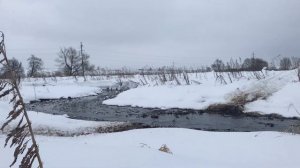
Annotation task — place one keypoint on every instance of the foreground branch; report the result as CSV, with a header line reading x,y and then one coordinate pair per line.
x,y
22,134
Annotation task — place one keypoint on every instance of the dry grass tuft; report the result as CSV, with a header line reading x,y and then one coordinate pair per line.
x,y
243,98
165,148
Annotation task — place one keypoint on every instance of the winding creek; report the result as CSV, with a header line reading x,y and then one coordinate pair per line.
x,y
221,118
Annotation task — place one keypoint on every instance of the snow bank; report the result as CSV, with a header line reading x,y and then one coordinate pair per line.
x,y
285,102
34,89
278,88
191,96
190,148
203,91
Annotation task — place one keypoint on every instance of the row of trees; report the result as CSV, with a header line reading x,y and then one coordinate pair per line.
x,y
289,63
255,64
69,61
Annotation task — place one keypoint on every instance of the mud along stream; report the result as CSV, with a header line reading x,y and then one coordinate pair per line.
x,y
218,118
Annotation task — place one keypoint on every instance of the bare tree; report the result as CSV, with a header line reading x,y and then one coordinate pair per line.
x,y
86,66
35,65
218,65
254,64
15,65
18,136
295,62
285,63
69,61
272,66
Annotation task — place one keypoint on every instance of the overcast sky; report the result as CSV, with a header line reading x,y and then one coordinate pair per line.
x,y
135,33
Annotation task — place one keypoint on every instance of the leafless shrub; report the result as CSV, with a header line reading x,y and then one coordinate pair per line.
x,y
258,75
186,78
145,80
176,79
220,78
162,78
229,77
285,63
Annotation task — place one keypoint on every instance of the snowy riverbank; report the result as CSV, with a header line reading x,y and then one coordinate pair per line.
x,y
277,93
139,148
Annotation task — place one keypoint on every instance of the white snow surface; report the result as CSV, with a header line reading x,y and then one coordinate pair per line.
x,y
185,96
279,92
285,102
33,89
190,148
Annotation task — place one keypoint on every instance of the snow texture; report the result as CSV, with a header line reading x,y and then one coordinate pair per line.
x,y
277,93
190,149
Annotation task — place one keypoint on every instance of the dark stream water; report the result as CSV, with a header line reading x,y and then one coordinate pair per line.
x,y
221,118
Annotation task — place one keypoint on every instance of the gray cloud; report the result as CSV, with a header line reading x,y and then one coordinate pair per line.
x,y
152,32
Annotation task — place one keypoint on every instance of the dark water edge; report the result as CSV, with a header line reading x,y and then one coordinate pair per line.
x,y
215,118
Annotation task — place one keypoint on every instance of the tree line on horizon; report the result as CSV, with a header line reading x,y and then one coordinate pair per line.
x,y
255,64
69,61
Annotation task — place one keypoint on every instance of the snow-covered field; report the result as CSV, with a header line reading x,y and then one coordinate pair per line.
x,y
190,148
33,89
